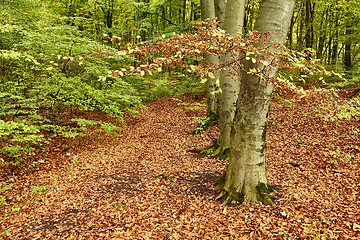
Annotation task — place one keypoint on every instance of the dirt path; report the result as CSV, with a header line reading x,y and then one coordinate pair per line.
x,y
146,185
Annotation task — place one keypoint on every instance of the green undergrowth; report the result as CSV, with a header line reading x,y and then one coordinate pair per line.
x,y
330,110
205,124
51,73
23,138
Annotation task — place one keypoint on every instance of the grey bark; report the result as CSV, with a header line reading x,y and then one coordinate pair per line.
x,y
246,169
220,11
211,88
229,82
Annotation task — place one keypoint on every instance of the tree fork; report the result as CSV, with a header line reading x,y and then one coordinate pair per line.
x,y
245,178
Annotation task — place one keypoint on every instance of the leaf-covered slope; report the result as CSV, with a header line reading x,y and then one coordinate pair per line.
x,y
147,185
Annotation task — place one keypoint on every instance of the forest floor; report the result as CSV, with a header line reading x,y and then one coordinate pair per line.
x,y
146,184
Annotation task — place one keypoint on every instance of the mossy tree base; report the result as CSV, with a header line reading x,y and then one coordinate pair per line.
x,y
262,194
216,150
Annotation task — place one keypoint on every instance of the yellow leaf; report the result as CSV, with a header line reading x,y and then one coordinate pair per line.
x,y
211,75
142,73
356,227
203,80
253,60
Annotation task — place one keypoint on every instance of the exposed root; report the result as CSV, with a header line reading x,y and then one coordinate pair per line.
x,y
216,150
263,193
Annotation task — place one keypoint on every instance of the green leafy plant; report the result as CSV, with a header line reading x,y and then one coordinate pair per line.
x,y
39,190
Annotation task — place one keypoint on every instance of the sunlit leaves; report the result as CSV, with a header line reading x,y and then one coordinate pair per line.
x,y
180,51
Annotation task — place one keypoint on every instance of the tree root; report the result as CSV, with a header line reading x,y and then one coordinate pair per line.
x,y
263,193
216,150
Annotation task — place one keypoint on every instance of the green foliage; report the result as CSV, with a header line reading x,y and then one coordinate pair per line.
x,y
39,190
5,187
84,122
159,85
109,128
49,70
205,124
336,112
8,231
2,200
350,110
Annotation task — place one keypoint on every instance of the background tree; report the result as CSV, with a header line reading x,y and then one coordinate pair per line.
x,y
212,87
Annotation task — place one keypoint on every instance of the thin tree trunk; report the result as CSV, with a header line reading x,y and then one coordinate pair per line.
x,y
245,178
348,55
300,28
211,88
309,18
322,36
335,46
291,32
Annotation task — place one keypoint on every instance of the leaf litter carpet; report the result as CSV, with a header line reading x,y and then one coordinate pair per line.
x,y
146,184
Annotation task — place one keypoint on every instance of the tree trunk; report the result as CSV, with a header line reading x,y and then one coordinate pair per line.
x,y
347,55
229,82
335,46
322,35
309,19
220,11
245,178
251,10
291,32
211,88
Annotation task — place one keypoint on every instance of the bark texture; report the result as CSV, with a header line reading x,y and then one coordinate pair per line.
x,y
229,82
245,179
220,11
211,88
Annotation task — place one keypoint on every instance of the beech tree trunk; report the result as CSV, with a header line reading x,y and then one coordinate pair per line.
x,y
245,178
229,82
211,88
220,11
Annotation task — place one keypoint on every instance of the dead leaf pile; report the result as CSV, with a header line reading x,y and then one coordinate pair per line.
x,y
146,184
